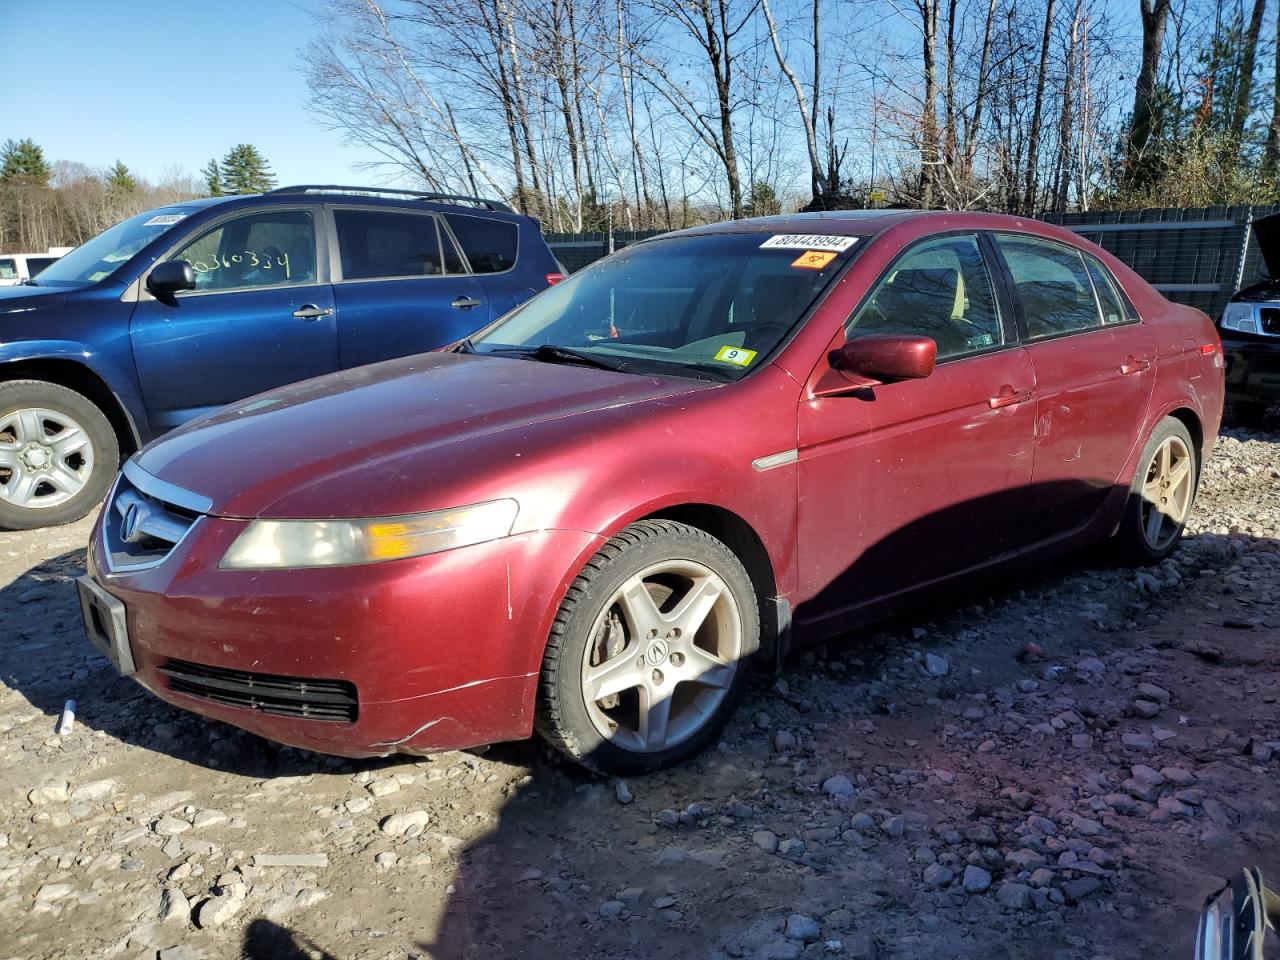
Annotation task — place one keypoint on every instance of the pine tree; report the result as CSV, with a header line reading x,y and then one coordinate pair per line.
x,y
120,178
23,159
245,170
212,174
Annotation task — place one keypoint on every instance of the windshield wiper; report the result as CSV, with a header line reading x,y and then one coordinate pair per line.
x,y
552,353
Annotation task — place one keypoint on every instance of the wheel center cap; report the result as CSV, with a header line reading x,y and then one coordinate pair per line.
x,y
35,458
657,652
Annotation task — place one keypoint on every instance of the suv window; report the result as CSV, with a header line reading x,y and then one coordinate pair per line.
x,y
1113,308
1053,284
8,269
36,264
270,249
490,245
383,244
939,289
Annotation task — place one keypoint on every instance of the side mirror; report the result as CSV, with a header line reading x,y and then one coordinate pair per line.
x,y
170,277
887,357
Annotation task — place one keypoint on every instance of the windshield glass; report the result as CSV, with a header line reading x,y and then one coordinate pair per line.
x,y
710,306
101,256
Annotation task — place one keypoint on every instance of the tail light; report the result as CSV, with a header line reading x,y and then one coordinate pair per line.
x,y
554,278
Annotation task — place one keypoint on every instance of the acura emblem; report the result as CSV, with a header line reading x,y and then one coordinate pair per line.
x,y
131,525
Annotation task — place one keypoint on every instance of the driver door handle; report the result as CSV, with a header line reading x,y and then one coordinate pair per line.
x,y
1009,397
1135,365
465,303
309,311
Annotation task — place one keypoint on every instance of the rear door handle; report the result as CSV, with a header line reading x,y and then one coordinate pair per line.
x,y
309,311
1010,399
1134,366
465,303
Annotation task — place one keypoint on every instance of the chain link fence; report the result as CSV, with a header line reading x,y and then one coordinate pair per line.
x,y
1194,255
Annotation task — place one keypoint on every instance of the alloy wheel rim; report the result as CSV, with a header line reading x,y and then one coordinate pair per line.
x,y
46,458
662,656
1166,493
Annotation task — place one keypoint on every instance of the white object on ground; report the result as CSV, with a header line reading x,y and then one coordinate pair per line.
x,y
67,719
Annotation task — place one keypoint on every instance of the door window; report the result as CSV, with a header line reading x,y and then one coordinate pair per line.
x,y
36,264
1109,301
381,244
939,289
1053,285
270,249
490,245
8,269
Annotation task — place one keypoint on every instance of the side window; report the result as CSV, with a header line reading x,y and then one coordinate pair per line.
x,y
939,289
1053,285
8,269
490,245
270,249
386,244
36,264
1112,306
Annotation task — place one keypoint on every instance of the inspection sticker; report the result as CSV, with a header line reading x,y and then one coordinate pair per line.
x,y
738,356
165,219
809,241
813,259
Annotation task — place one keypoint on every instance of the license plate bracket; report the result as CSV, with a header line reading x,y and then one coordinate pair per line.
x,y
105,625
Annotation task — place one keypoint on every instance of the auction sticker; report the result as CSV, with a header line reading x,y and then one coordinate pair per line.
x,y
738,356
809,241
165,219
813,259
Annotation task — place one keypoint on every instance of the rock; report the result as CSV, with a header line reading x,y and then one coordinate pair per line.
x,y
218,909
611,908
179,952
1081,741
1024,859
169,826
1015,896
976,880
1077,890
409,824
982,834
1042,877
623,792
838,786
1144,774
1175,807
47,793
1141,742
801,928
766,840
315,861
1146,792
936,875
862,822
383,787
937,665
1091,666
791,848
53,892
1149,691
386,860
668,818
631,895
93,791
763,720
174,905
1087,827
208,818
664,903
1146,709
172,848
1178,776
669,856
894,826
309,897
784,741
357,805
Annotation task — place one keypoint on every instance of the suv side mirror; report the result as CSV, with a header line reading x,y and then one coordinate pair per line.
x,y
887,357
170,277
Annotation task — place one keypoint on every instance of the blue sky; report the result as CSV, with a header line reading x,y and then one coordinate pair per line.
x,y
159,85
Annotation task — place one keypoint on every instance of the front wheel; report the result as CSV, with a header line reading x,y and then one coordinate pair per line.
x,y
650,650
58,455
1161,496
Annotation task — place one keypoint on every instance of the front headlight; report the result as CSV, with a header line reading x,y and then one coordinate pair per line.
x,y
275,544
1239,316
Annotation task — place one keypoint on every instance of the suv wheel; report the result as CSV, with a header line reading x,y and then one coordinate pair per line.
x,y
650,651
58,455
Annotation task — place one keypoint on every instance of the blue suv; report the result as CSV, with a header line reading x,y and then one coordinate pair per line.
x,y
183,309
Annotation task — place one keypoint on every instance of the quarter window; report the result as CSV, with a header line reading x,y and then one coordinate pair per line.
x,y
270,249
1113,308
490,245
383,244
1053,286
940,289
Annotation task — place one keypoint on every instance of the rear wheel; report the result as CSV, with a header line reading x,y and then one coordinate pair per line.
x,y
650,651
58,455
1161,496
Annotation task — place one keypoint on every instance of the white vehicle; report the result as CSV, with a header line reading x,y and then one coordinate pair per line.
x,y
15,268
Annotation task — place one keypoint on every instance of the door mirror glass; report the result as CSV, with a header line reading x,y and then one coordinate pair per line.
x,y
170,277
887,357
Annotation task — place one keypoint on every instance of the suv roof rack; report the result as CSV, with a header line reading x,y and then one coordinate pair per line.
x,y
481,202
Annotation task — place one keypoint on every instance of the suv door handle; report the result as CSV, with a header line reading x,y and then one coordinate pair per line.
x,y
1010,398
1134,366
309,311
465,303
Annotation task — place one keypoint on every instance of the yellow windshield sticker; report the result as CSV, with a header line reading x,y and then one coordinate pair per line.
x,y
738,356
813,259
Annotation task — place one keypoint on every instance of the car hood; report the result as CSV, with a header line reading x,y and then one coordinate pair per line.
x,y
25,297
375,440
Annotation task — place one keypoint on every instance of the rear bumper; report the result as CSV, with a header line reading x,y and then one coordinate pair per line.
x,y
1253,367
443,651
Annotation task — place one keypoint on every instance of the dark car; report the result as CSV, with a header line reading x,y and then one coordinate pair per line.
x,y
178,311
1250,330
593,517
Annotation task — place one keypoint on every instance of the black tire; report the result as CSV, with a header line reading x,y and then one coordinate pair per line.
x,y
563,718
16,395
1132,542
1246,413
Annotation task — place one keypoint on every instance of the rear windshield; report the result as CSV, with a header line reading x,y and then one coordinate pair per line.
x,y
108,251
713,306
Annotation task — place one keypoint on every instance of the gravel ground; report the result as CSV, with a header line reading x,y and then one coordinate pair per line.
x,y
935,788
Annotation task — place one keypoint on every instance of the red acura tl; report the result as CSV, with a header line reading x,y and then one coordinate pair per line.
x,y
596,515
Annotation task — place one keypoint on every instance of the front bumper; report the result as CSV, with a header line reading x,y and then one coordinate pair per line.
x,y
1253,367
443,651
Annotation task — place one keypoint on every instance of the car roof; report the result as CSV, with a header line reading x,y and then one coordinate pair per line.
x,y
369,196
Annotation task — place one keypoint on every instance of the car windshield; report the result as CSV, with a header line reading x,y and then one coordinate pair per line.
x,y
712,306
105,253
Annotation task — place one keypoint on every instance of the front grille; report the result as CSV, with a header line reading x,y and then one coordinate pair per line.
x,y
1269,320
299,697
145,519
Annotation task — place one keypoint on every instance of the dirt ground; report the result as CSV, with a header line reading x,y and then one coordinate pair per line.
x,y
915,791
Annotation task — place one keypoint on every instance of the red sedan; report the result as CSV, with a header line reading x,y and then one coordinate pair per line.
x,y
595,516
